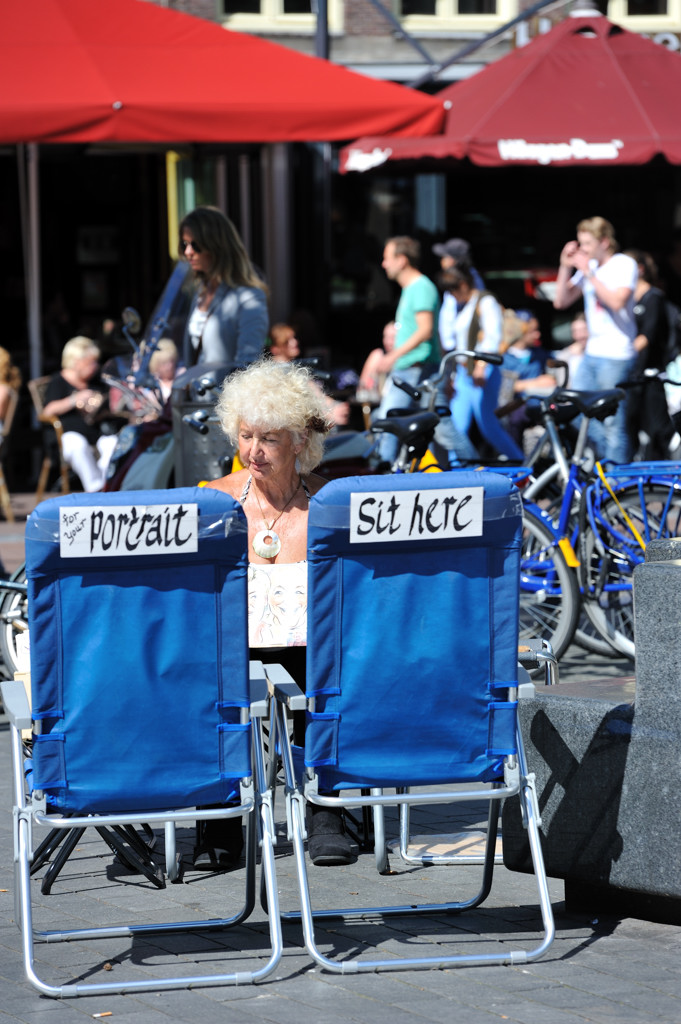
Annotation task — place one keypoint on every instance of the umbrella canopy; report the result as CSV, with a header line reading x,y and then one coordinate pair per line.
x,y
130,71
587,92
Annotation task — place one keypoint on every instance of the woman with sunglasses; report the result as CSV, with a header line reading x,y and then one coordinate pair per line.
x,y
228,318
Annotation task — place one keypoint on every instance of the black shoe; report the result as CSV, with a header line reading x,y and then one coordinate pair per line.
x,y
327,842
219,845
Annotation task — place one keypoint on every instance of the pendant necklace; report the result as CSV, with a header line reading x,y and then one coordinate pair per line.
x,y
267,543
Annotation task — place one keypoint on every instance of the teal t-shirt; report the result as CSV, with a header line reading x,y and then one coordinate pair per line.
x,y
421,296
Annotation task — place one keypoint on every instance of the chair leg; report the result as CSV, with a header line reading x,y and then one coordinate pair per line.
x,y
42,479
133,853
69,844
44,851
64,474
5,498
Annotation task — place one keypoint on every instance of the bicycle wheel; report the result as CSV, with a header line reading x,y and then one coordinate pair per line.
x,y
549,594
610,551
13,619
589,637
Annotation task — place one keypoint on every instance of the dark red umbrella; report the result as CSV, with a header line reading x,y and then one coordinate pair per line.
x,y
587,92
130,71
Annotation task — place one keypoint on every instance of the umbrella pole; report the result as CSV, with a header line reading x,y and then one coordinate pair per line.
x,y
29,206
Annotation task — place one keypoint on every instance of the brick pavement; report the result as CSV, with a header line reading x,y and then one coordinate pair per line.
x,y
600,969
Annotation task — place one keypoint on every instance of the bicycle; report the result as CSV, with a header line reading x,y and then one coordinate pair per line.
x,y
620,514
558,487
13,618
608,518
549,601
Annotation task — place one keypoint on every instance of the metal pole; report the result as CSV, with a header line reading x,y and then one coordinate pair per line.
x,y
34,283
322,33
477,43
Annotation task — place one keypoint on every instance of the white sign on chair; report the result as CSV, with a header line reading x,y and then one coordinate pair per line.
x,y
382,516
95,530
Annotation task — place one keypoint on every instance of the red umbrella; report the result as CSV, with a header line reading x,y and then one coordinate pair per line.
x,y
130,71
587,92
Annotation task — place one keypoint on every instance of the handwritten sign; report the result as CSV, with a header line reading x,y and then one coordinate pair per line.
x,y
381,516
115,530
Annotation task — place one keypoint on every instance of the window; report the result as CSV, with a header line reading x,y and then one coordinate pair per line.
x,y
429,7
277,15
649,16
638,8
448,15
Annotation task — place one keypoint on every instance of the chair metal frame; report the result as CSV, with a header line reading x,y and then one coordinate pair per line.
x,y
302,786
32,809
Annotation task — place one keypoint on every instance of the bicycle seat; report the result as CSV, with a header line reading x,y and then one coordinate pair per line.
x,y
596,405
408,428
562,409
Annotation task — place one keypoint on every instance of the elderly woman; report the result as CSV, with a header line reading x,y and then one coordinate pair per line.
x,y
77,398
228,317
276,415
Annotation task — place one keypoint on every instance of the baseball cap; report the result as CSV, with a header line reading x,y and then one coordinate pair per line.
x,y
458,248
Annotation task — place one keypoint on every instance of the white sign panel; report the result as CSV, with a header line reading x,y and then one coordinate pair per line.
x,y
547,152
380,516
115,530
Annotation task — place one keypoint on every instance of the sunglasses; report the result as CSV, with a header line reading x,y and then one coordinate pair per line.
x,y
195,247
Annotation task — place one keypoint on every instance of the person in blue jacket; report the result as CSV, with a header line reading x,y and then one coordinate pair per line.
x,y
228,319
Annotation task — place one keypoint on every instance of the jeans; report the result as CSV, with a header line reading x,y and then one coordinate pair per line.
x,y
395,398
472,402
610,438
460,449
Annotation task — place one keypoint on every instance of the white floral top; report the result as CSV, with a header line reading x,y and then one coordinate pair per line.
x,y
277,599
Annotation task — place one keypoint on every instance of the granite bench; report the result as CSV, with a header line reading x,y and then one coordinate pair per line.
x,y
608,772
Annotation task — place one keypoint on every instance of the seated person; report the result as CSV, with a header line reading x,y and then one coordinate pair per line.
x,y
284,346
10,380
372,378
574,353
164,366
526,359
524,371
278,418
80,401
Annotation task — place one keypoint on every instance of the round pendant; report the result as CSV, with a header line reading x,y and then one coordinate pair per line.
x,y
266,543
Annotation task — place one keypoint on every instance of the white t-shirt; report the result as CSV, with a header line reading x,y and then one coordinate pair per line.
x,y
491,325
197,322
611,333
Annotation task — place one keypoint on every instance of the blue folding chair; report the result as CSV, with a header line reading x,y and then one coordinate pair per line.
x,y
144,706
412,676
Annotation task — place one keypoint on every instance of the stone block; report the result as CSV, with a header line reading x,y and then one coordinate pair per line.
x,y
609,775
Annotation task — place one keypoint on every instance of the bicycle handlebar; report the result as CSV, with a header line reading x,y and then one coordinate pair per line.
x,y
647,377
431,383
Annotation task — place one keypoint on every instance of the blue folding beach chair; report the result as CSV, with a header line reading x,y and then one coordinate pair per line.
x,y
412,677
142,707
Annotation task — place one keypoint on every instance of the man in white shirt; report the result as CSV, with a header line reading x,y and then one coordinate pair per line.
x,y
592,267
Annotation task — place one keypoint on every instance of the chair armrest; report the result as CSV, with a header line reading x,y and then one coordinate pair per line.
x,y
16,703
55,422
259,694
534,653
284,688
